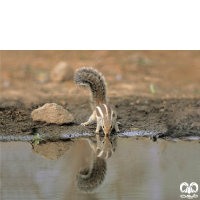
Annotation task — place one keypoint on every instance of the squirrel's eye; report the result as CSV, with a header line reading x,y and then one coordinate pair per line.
x,y
103,126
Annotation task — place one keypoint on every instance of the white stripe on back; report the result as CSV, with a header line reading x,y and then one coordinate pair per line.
x,y
107,155
100,111
100,153
106,109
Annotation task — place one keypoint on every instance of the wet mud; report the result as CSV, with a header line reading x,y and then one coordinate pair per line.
x,y
137,116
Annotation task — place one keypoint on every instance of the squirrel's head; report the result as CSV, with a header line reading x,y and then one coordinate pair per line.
x,y
105,150
107,125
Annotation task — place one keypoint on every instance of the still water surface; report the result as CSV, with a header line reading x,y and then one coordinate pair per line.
x,y
137,169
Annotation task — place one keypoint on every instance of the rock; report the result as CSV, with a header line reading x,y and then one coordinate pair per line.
x,y
52,150
62,72
52,113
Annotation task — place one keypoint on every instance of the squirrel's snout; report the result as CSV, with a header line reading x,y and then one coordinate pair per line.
x,y
106,132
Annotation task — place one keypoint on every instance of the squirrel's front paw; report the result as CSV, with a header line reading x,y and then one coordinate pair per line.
x,y
117,130
86,123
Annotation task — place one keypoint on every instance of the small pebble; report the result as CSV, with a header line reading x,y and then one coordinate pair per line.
x,y
138,101
119,77
6,84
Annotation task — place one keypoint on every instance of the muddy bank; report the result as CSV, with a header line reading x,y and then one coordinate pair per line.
x,y
171,109
138,116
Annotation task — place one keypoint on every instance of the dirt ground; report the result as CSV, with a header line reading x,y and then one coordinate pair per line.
x,y
154,91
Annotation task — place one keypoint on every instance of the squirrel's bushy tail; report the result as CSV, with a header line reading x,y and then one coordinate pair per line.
x,y
88,179
96,82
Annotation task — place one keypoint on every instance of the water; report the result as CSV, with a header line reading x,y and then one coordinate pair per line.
x,y
137,169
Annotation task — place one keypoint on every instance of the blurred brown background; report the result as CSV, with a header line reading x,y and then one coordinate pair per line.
x,y
26,75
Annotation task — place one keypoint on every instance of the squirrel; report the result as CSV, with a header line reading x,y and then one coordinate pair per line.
x,y
102,113
103,148
91,177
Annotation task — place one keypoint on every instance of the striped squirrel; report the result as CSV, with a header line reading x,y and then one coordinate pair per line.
x,y
102,113
103,148
89,178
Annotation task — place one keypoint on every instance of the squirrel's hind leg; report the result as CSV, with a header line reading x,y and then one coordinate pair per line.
x,y
91,120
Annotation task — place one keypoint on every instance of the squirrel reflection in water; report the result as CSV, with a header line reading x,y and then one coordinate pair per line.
x,y
93,176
